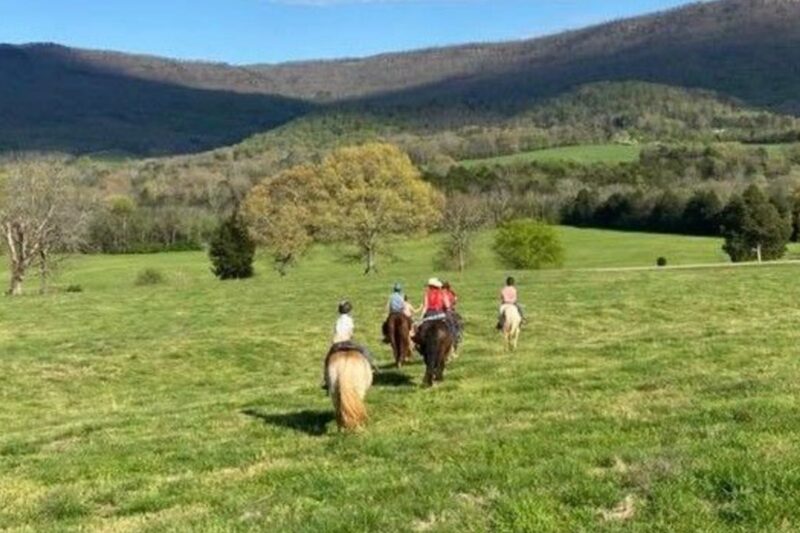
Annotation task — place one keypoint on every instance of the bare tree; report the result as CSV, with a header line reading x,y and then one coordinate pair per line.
x,y
463,216
40,215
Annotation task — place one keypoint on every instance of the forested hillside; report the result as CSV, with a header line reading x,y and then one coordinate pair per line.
x,y
745,51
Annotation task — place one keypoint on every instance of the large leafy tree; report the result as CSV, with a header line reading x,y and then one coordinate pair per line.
x,y
753,228
282,213
359,195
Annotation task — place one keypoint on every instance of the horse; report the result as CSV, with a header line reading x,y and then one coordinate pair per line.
x,y
349,377
398,330
435,342
512,321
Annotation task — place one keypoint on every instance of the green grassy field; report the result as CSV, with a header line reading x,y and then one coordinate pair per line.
x,y
638,401
585,154
599,153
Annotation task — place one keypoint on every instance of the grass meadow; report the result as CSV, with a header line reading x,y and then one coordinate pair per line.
x,y
652,400
587,154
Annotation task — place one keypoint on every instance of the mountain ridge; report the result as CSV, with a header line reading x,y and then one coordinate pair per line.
x,y
80,100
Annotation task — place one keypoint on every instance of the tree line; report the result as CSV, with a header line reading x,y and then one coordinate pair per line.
x,y
365,195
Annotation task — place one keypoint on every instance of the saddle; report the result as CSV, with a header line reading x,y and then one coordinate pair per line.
x,y
345,346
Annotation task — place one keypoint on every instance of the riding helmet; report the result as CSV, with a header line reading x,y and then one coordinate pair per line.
x,y
345,307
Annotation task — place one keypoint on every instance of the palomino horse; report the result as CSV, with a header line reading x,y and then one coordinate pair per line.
x,y
435,342
349,378
512,321
398,329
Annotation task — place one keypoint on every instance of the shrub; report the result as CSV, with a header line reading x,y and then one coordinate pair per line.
x,y
661,261
74,288
528,244
149,276
232,249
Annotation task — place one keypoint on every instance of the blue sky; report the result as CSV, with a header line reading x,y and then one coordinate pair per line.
x,y
269,31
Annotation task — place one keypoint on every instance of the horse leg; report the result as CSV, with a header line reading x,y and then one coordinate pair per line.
x,y
397,350
440,369
404,341
441,360
427,381
391,334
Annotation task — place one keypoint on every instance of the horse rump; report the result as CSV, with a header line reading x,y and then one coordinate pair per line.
x,y
511,321
398,329
349,377
434,341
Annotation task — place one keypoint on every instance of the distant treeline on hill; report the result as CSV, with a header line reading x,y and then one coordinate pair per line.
x,y
670,189
174,203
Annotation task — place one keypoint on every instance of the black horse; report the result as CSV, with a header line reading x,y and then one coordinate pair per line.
x,y
434,340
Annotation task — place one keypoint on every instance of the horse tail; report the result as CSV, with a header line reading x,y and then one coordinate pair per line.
x,y
352,378
511,327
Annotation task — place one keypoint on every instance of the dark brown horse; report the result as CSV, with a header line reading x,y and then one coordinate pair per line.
x,y
435,342
398,330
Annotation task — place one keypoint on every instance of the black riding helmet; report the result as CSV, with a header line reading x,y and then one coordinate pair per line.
x,y
345,307
510,281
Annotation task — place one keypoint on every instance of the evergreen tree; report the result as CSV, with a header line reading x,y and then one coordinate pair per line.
x,y
701,215
667,213
753,228
232,250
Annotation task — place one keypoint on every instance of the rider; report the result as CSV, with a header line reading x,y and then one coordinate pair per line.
x,y
434,301
343,340
453,318
396,304
451,299
508,296
434,307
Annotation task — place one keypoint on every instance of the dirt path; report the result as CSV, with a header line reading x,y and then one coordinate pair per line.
x,y
690,267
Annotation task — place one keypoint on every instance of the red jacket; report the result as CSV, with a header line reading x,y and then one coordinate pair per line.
x,y
434,300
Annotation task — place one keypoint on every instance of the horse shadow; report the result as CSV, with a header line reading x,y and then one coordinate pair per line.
x,y
307,421
387,378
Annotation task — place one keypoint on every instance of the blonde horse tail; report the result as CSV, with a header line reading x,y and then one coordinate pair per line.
x,y
511,330
351,412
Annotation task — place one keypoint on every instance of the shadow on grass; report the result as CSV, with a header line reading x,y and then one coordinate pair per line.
x,y
391,379
415,361
306,421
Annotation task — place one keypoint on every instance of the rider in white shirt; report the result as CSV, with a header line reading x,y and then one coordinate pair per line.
x,y
343,330
343,339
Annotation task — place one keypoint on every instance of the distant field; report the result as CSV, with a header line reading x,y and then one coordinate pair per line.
x,y
585,154
600,153
642,401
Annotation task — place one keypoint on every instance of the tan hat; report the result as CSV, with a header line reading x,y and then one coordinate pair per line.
x,y
435,282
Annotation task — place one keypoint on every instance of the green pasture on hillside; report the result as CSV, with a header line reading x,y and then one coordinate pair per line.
x,y
588,153
654,400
